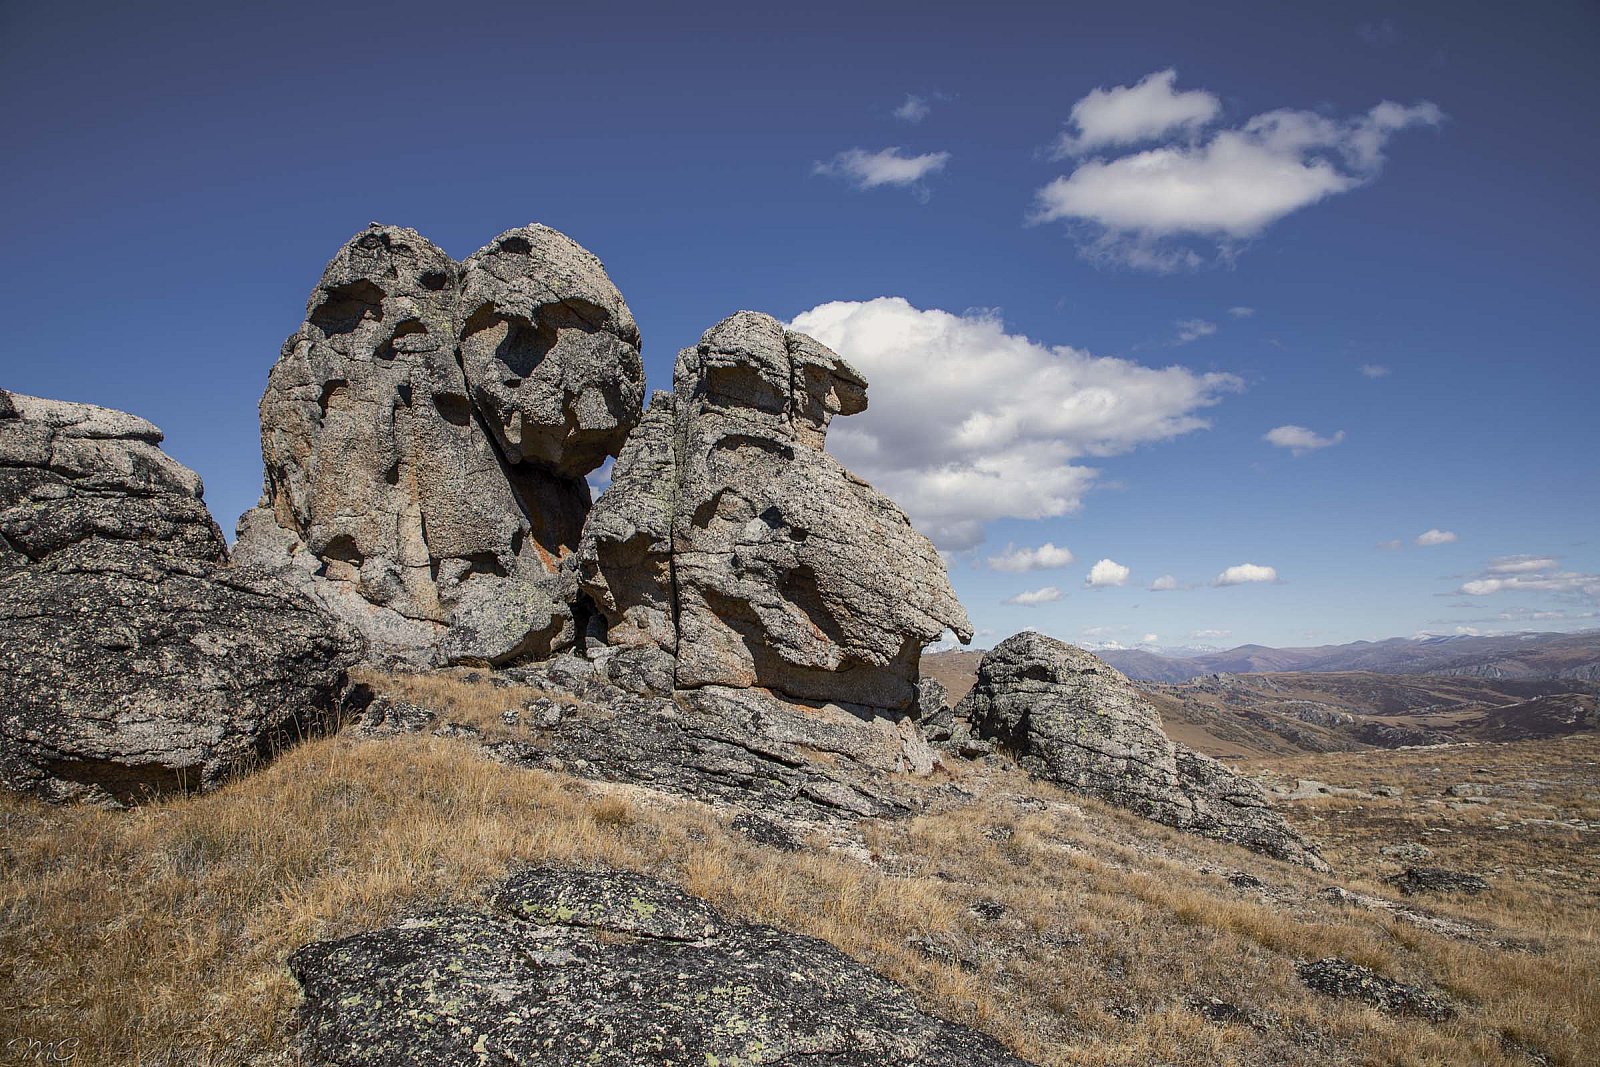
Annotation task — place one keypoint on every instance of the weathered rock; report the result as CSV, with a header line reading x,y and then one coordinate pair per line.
x,y
732,541
934,713
133,662
1414,880
1335,977
741,747
600,967
1071,717
426,432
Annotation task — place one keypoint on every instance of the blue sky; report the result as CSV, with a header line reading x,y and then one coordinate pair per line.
x,y
176,175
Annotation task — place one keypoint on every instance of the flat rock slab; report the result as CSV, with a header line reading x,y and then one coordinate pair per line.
x,y
534,986
1335,977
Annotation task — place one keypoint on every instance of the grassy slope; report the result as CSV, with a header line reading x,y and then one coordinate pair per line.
x,y
158,936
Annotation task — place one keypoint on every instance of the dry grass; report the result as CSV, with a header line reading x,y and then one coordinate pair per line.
x,y
158,936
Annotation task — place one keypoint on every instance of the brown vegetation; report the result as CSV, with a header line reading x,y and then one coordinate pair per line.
x,y
1075,933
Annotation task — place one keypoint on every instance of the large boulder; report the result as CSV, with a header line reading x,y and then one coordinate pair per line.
x,y
426,433
133,661
606,967
1074,719
731,541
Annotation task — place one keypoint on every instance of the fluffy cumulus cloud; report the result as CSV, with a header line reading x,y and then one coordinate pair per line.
x,y
1105,573
1194,329
1245,573
1034,597
1016,560
1428,538
1299,440
1165,584
1129,114
1206,188
968,423
889,166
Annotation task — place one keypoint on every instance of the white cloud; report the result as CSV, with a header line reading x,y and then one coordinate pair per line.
x,y
1532,574
1521,564
1149,209
1392,546
1034,597
969,423
1106,573
1299,440
914,110
1193,329
890,166
1435,537
1246,572
1241,312
1150,639
1210,635
1129,114
1016,560
1165,583
1374,370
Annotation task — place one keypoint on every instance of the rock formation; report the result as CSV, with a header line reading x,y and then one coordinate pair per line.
x,y
132,662
1071,717
608,967
426,433
731,544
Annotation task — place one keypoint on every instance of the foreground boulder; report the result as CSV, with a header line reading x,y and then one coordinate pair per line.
x,y
608,968
734,545
133,662
1074,719
426,433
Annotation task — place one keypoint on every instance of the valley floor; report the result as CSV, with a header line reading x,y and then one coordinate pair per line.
x,y
1075,933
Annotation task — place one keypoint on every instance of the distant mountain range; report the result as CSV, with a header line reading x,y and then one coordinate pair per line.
x,y
1524,655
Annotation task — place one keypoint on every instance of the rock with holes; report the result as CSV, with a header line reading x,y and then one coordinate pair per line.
x,y
608,967
731,540
1073,718
426,433
133,661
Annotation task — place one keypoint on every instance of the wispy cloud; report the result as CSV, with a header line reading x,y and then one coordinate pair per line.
x,y
1532,574
1381,34
1241,312
1245,573
915,109
1210,635
1034,597
1299,440
1374,370
1017,560
1392,546
1193,330
888,166
1158,209
1429,538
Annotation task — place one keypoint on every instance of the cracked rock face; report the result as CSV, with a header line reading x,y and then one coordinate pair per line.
x,y
426,433
1073,718
731,541
614,968
133,662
